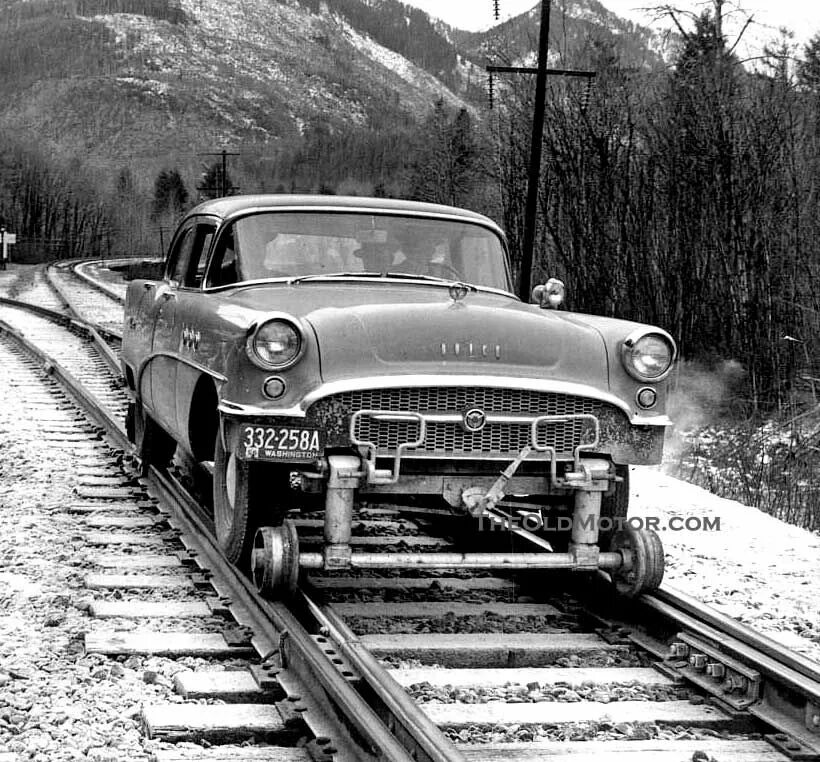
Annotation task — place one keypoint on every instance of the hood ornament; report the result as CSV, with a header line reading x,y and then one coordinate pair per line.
x,y
458,291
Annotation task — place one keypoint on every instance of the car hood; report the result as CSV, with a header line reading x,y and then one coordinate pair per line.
x,y
376,329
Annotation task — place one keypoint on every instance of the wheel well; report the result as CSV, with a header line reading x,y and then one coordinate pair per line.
x,y
203,421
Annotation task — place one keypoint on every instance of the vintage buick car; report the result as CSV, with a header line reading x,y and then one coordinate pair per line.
x,y
323,350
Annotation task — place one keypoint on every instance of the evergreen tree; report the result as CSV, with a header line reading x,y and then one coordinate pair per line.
x,y
808,70
447,164
213,185
170,193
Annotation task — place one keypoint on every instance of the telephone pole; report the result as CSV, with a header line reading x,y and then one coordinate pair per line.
x,y
223,178
541,73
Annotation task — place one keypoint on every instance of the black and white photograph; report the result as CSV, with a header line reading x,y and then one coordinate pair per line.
x,y
409,381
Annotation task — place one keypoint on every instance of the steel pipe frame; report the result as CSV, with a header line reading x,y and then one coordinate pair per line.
x,y
463,561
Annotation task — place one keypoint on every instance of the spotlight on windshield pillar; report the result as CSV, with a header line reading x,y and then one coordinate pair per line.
x,y
550,295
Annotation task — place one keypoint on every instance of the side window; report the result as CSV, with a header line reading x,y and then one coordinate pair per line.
x,y
180,255
202,236
223,270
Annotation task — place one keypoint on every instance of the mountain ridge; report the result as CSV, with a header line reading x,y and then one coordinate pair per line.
x,y
154,82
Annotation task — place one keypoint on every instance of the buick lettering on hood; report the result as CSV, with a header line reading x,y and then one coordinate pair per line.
x,y
319,352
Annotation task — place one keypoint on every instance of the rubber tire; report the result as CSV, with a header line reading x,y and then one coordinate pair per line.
x,y
131,422
235,520
155,446
615,506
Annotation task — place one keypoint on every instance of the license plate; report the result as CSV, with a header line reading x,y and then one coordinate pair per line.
x,y
284,443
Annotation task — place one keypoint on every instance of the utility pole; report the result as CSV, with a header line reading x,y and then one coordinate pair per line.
x,y
541,73
223,178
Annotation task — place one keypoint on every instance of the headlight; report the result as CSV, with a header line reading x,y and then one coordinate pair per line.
x,y
648,356
275,344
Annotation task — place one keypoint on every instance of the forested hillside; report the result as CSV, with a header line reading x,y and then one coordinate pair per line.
x,y
682,194
686,197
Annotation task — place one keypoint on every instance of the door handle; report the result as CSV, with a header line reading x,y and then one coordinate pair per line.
x,y
168,295
147,286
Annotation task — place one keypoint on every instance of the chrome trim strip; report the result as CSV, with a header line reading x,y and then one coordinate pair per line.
x,y
285,281
381,211
485,223
174,356
394,382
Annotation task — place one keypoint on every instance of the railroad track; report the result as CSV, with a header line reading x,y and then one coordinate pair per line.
x,y
86,296
457,666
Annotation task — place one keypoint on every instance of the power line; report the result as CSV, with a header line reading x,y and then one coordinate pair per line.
x,y
223,178
541,72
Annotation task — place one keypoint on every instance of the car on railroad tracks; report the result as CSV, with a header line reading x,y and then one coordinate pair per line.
x,y
323,351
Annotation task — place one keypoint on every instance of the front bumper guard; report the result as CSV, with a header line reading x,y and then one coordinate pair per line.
x,y
579,477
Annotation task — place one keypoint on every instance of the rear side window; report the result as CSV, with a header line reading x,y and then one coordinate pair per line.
x,y
180,255
189,254
195,272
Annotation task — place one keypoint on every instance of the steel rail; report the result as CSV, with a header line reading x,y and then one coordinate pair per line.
x,y
786,686
675,604
97,333
81,396
416,729
366,732
318,675
785,693
72,305
101,287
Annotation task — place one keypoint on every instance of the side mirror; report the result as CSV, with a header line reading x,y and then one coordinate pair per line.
x,y
550,295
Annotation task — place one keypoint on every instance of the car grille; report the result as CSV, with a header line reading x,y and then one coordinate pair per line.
x,y
449,438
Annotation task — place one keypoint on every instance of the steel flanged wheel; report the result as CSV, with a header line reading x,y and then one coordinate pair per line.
x,y
644,561
275,560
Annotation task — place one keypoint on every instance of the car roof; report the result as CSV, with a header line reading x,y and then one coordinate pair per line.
x,y
232,205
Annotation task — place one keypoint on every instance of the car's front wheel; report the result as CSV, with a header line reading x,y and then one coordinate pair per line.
x,y
237,505
154,445
614,508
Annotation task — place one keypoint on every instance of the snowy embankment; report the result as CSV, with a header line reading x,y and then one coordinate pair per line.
x,y
755,568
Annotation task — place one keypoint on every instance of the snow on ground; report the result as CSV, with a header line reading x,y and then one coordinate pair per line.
x,y
399,65
757,569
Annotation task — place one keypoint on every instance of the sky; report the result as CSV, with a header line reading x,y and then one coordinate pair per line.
x,y
801,16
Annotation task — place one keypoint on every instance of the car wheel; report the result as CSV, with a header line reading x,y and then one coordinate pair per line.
x,y
236,507
615,507
154,445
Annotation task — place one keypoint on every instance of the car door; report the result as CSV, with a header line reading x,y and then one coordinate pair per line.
x,y
193,308
165,342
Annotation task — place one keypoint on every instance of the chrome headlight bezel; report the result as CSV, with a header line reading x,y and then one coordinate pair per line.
x,y
631,347
292,358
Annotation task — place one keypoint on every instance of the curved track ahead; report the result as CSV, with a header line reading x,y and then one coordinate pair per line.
x,y
491,660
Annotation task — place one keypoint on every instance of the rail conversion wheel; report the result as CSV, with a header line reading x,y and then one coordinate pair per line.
x,y
275,560
236,505
645,570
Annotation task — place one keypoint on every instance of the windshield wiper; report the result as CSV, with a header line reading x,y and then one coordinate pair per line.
x,y
388,274
320,276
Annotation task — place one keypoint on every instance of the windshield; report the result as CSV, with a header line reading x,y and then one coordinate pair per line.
x,y
305,243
